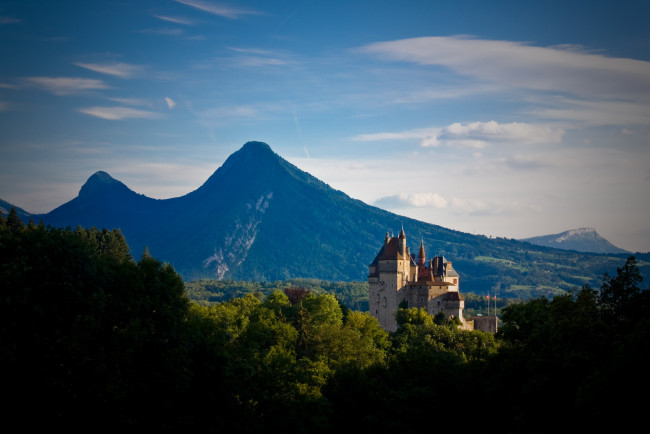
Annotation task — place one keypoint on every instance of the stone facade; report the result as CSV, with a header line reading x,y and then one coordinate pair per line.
x,y
486,324
394,276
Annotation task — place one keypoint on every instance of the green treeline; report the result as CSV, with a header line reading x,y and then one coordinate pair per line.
x,y
354,295
92,339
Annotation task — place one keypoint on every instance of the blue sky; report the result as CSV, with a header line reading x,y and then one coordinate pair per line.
x,y
503,118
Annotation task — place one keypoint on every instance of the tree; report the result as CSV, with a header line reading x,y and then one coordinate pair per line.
x,y
14,223
586,344
87,337
414,316
296,294
618,295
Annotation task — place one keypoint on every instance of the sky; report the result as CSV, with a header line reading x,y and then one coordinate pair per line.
x,y
504,118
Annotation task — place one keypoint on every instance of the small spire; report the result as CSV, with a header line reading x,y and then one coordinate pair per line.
x,y
421,256
402,234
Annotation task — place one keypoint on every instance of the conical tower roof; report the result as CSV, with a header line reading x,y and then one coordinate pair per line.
x,y
421,255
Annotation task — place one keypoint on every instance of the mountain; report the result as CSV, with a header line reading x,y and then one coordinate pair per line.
x,y
581,240
258,217
5,208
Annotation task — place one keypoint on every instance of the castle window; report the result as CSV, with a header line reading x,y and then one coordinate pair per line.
x,y
384,301
455,281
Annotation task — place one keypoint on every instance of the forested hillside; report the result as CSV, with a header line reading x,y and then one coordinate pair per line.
x,y
93,340
260,218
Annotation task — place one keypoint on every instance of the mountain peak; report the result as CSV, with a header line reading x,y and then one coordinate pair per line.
x,y
581,239
253,152
254,146
578,233
101,177
98,181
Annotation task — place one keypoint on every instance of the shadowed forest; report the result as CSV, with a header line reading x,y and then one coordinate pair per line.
x,y
92,339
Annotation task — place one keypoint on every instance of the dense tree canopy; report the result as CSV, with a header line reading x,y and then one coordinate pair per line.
x,y
94,340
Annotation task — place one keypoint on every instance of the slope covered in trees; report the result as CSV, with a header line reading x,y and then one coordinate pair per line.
x,y
93,340
260,218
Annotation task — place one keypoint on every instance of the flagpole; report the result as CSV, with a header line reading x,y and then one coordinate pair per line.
x,y
495,310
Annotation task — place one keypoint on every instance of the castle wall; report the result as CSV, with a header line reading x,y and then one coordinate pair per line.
x,y
386,291
486,324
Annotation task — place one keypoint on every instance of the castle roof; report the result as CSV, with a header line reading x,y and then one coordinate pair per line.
x,y
439,267
389,251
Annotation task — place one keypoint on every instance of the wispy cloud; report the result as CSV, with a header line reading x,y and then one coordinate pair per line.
x,y
219,9
480,134
453,206
612,112
219,116
66,85
123,70
515,64
474,134
175,20
419,133
170,102
246,57
163,31
131,101
119,113
413,200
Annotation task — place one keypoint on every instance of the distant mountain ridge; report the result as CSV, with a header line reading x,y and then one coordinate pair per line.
x,y
581,240
5,207
259,217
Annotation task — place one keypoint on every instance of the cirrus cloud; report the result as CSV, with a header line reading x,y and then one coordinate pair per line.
x,y
516,64
175,20
119,113
123,70
218,9
474,134
66,85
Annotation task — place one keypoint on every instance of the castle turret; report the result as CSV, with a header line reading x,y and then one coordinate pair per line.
x,y
402,243
421,256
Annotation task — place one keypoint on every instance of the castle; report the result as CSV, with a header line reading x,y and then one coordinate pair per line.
x,y
395,276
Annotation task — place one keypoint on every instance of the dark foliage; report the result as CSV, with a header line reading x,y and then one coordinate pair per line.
x,y
92,340
296,294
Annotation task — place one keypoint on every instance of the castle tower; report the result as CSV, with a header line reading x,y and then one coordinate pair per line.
x,y
423,270
421,255
388,274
